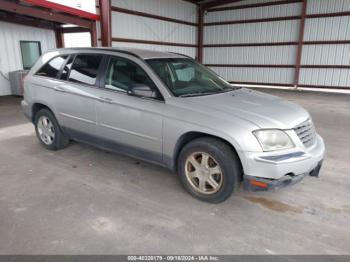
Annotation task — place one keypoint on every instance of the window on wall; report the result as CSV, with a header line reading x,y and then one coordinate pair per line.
x,y
31,51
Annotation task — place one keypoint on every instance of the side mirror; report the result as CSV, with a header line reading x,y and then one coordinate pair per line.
x,y
142,91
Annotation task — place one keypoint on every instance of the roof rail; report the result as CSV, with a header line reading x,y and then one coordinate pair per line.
x,y
106,49
181,54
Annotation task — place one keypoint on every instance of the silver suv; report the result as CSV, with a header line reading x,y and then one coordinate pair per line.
x,y
167,109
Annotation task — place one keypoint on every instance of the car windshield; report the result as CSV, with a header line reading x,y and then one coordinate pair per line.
x,y
184,77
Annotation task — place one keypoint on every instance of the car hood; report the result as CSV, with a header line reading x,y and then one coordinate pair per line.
x,y
263,110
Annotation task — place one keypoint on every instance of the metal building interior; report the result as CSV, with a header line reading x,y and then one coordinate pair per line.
x,y
85,201
291,43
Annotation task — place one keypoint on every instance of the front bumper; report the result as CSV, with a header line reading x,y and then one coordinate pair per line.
x,y
280,169
263,184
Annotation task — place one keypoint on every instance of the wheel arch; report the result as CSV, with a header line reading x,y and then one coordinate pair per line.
x,y
36,107
189,136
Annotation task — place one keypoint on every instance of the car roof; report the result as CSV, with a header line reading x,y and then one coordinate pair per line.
x,y
141,53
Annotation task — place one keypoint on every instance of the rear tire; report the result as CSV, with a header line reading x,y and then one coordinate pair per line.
x,y
209,169
48,131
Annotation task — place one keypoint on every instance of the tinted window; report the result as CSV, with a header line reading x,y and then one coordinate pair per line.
x,y
31,51
85,68
122,74
67,67
52,68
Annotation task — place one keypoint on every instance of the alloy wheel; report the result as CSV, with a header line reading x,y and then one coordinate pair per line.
x,y
46,130
203,173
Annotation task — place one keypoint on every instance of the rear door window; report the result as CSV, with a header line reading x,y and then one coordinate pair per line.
x,y
85,69
52,68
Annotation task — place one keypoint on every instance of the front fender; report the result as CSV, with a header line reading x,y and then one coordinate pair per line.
x,y
176,129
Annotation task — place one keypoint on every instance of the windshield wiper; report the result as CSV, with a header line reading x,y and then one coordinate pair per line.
x,y
231,89
197,94
210,93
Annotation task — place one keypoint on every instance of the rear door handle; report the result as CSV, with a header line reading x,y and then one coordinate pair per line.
x,y
105,100
59,89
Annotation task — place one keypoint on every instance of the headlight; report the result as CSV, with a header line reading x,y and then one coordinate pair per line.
x,y
273,139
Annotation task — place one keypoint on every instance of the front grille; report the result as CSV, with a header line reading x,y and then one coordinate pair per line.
x,y
306,133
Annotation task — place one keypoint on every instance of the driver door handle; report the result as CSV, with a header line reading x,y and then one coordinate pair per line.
x,y
105,100
59,89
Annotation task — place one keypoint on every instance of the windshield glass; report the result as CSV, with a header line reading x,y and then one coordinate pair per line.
x,y
185,77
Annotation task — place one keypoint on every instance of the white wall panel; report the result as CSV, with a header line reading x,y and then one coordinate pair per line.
x,y
265,32
278,31
327,6
325,77
326,55
250,55
326,29
261,75
177,9
254,13
10,52
190,51
316,29
136,27
144,28
330,28
77,39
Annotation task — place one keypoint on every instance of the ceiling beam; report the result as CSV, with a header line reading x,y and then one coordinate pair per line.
x,y
63,8
191,1
27,21
69,30
43,14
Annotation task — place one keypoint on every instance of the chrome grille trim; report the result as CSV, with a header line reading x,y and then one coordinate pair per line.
x,y
306,133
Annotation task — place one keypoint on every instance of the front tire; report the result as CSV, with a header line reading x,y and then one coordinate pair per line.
x,y
48,131
209,169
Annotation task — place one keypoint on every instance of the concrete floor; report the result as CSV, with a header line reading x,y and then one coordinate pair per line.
x,y
82,200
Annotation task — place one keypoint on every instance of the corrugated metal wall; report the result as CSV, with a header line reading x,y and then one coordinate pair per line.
x,y
246,33
149,29
326,29
10,53
325,57
254,13
143,28
327,6
328,58
177,9
251,33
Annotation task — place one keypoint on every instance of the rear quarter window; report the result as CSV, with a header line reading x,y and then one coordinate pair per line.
x,y
52,68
